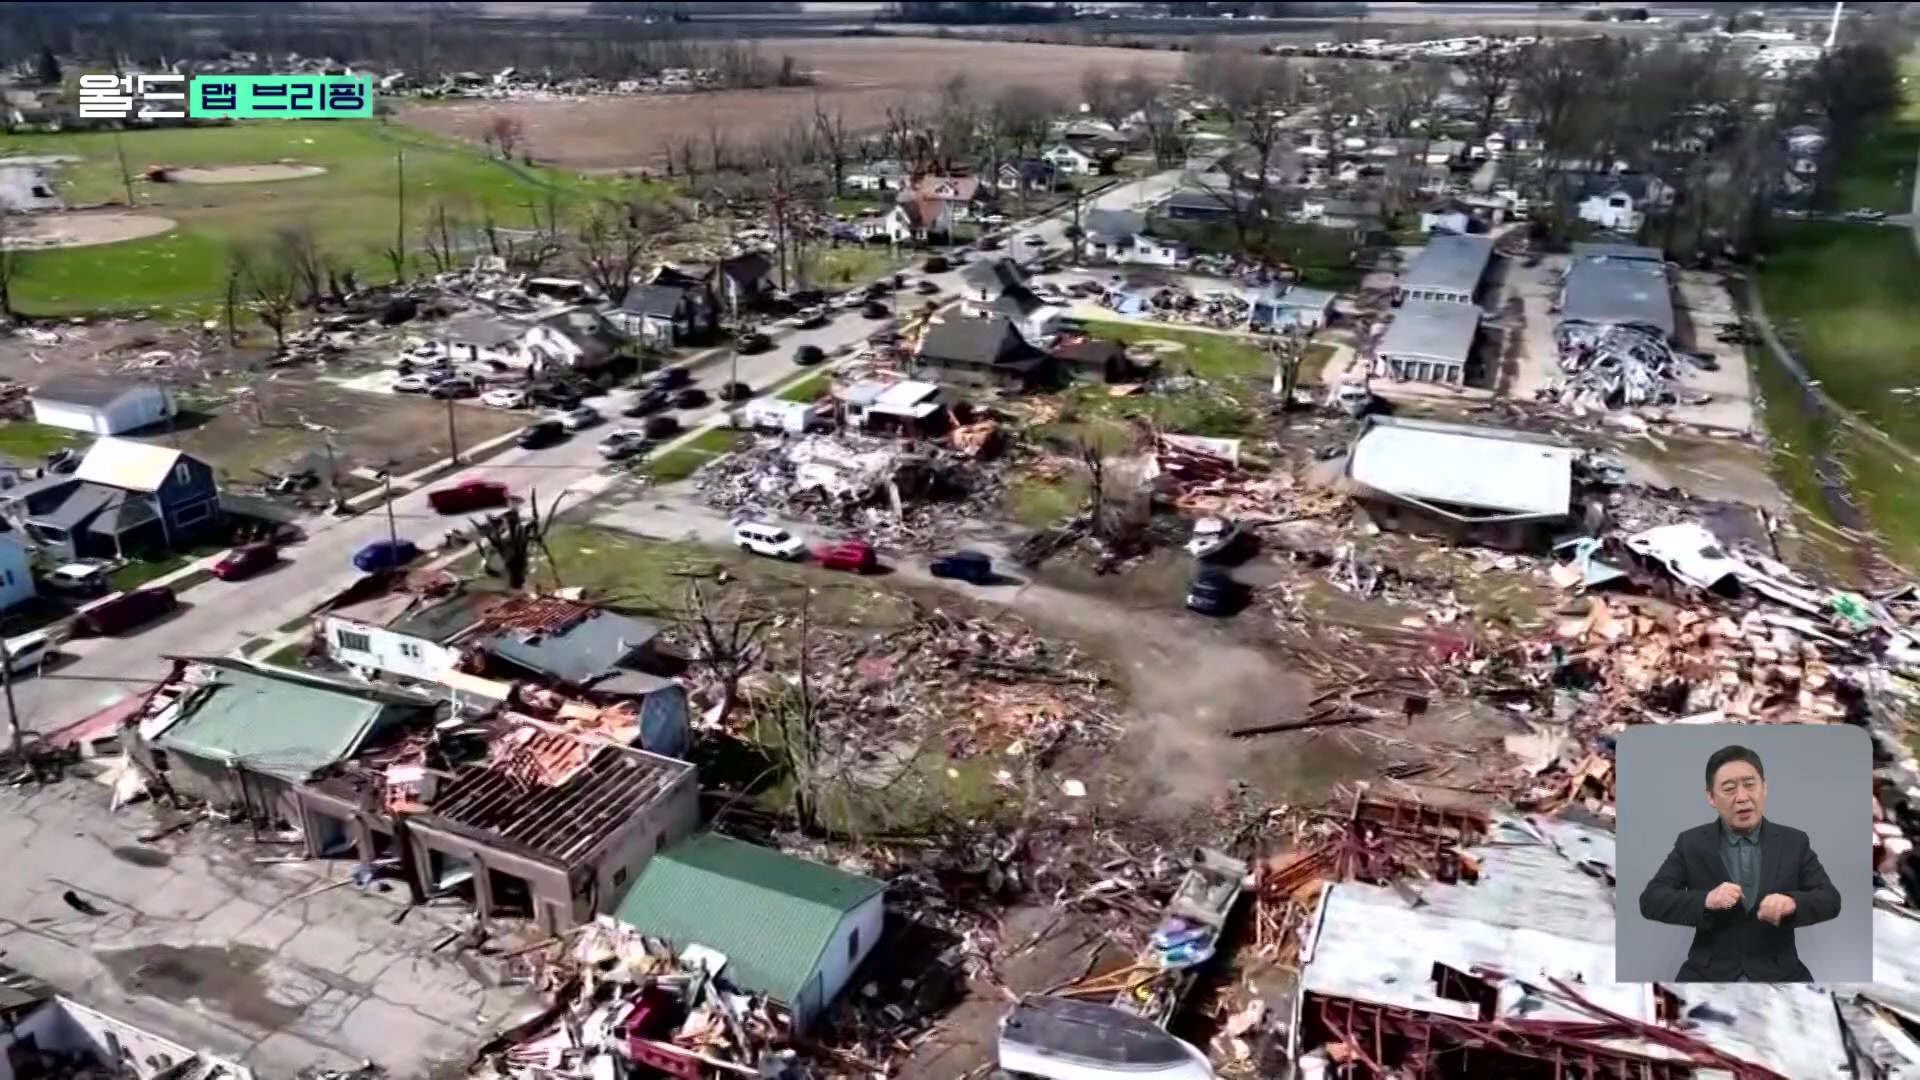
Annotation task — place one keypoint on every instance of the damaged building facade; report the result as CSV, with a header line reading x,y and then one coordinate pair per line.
x,y
1616,327
541,819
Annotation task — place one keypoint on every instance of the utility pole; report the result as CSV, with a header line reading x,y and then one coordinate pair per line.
x,y
400,217
453,436
393,529
16,739
126,178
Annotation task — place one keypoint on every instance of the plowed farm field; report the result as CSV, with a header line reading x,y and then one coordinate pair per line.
x,y
859,77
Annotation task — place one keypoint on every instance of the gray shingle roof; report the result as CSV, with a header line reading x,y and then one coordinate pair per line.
x,y
91,391
1432,329
991,340
582,652
1617,292
1450,263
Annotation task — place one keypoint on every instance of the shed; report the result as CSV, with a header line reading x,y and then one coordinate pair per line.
x,y
906,404
101,406
1429,341
1500,487
792,929
1448,269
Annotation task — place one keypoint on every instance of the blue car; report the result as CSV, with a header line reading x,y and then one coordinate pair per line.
x,y
385,555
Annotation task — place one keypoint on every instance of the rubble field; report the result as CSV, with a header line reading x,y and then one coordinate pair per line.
x,y
858,77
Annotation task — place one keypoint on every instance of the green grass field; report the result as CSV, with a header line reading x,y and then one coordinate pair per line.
x,y
1842,295
353,208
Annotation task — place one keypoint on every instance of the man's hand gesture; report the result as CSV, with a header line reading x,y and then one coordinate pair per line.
x,y
1725,895
1775,908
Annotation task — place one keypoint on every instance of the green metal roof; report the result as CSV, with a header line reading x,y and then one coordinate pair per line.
x,y
772,914
276,726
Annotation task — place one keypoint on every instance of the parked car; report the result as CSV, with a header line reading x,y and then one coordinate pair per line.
x,y
78,578
661,427
752,342
691,397
460,386
579,418
649,401
1034,240
412,384
1865,215
926,288
769,540
936,264
735,391
541,434
671,378
972,567
28,653
245,561
554,397
1213,591
385,555
809,355
988,243
468,496
854,556
813,317
126,611
505,398
622,444
874,309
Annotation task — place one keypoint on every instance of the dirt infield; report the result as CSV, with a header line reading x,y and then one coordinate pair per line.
x,y
85,229
858,76
242,174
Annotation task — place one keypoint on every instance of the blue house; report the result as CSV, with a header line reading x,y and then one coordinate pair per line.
x,y
126,497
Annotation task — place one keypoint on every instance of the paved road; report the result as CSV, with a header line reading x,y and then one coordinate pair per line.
x,y
218,617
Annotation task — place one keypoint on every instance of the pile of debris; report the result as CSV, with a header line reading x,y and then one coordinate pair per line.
x,y
1220,310
1203,477
988,686
618,999
1614,367
900,498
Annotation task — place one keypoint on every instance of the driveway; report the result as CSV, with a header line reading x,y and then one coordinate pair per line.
x,y
217,617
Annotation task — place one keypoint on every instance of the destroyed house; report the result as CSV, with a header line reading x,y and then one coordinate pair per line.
x,y
1503,966
471,646
526,819
790,928
984,353
1611,290
1491,486
1428,341
236,734
907,406
1450,269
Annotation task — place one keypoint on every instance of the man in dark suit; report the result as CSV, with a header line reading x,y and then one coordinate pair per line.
x,y
1742,882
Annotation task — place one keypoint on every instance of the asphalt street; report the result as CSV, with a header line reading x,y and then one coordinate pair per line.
x,y
217,617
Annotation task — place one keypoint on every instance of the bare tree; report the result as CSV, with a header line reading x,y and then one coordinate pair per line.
x,y
1850,89
301,252
503,132
615,242
1490,75
836,144
443,249
955,124
507,541
1252,92
727,635
267,277
908,140
1104,96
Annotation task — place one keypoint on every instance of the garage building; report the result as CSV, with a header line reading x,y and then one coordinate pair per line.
x,y
1449,269
101,406
1428,341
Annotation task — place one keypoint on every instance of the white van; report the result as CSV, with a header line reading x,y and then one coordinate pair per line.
x,y
29,652
769,540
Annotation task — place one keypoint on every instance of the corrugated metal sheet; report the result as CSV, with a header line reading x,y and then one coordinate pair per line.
x,y
1431,330
772,914
276,726
1450,263
1453,464
124,463
1615,292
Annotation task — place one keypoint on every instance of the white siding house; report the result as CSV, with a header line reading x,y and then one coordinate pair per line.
x,y
16,573
1069,161
370,648
1612,210
101,406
